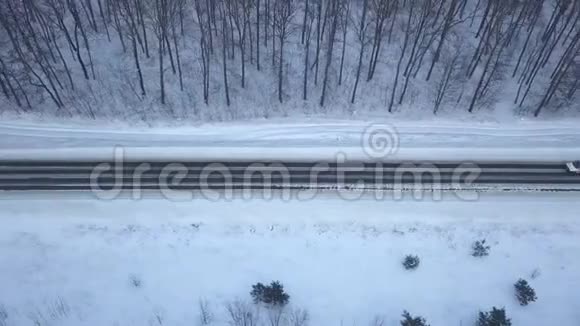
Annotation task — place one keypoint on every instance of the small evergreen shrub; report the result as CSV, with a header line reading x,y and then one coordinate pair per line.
x,y
272,294
480,249
524,292
135,281
409,320
411,262
495,317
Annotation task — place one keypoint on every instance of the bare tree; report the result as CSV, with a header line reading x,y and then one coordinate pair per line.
x,y
532,11
284,11
447,78
381,10
408,30
304,21
104,19
177,9
58,11
319,36
334,8
88,9
141,20
299,317
129,16
565,69
308,41
117,26
48,56
498,42
205,314
242,314
239,13
361,36
224,33
161,18
79,28
344,18
449,18
7,87
258,35
420,30
29,53
203,19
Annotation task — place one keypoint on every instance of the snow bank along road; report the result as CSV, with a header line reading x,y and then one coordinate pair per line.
x,y
315,139
86,176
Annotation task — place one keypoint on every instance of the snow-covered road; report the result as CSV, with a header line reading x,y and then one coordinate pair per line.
x,y
295,140
71,260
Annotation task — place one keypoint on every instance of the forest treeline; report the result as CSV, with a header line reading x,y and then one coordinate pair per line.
x,y
465,53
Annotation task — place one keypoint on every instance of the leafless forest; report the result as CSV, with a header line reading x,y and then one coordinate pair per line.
x,y
232,59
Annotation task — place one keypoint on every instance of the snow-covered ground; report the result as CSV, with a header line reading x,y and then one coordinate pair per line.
x,y
306,139
75,261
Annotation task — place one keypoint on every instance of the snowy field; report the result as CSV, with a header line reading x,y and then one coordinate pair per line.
x,y
79,261
302,139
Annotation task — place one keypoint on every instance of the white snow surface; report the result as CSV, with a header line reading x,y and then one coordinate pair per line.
x,y
295,140
71,261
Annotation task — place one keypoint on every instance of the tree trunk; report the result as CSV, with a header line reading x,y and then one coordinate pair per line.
x,y
161,70
362,32
344,34
403,51
304,22
329,50
258,34
138,67
224,58
280,69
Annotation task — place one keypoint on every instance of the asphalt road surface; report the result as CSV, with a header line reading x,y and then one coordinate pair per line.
x,y
87,176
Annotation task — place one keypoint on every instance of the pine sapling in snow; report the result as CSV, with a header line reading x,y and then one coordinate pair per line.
x,y
135,281
495,317
480,249
524,292
272,294
411,262
409,320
